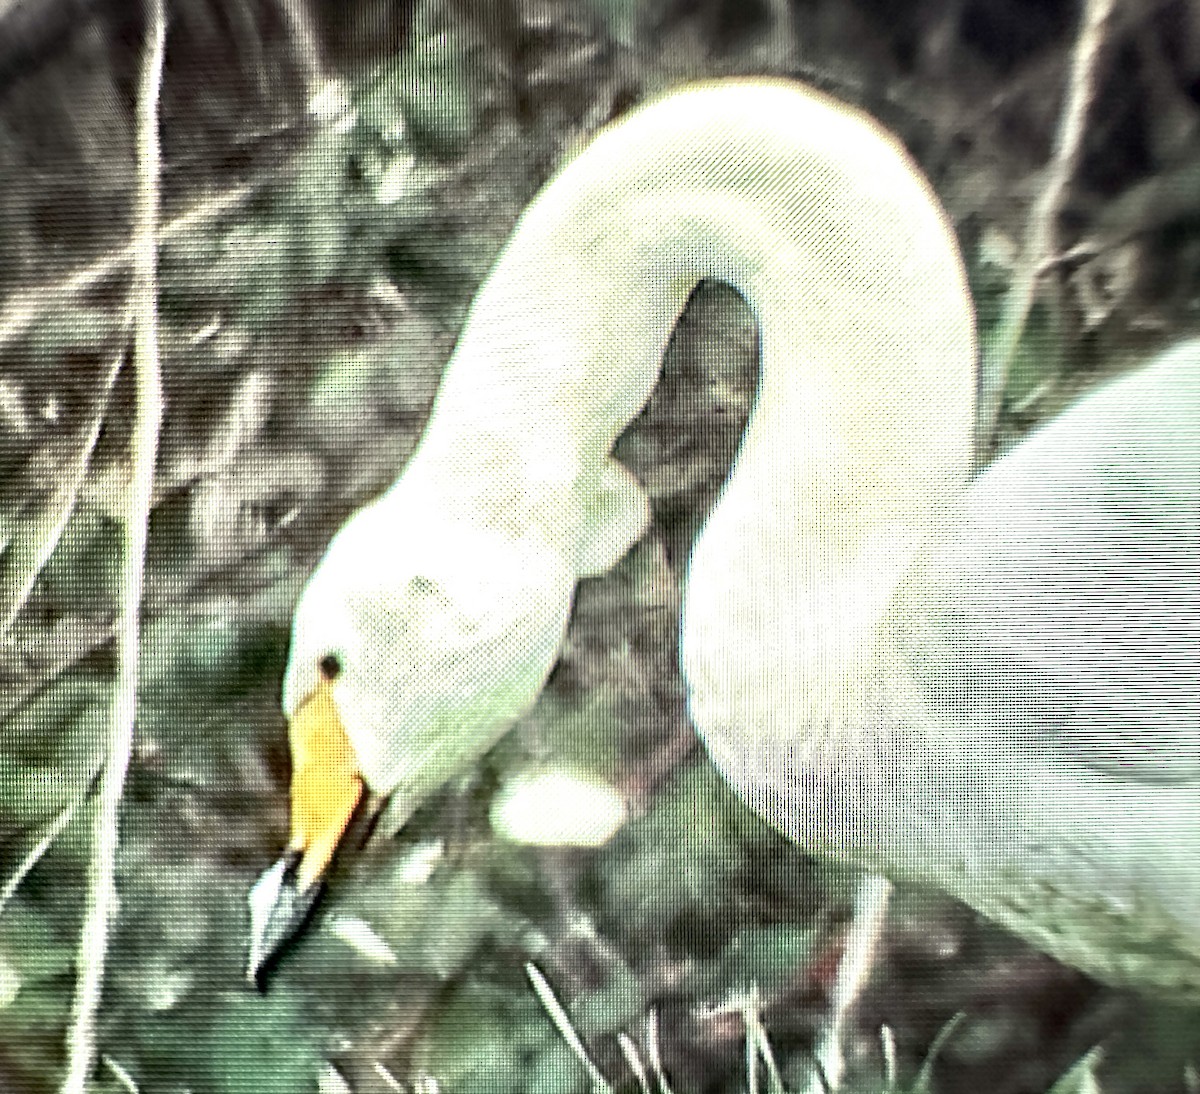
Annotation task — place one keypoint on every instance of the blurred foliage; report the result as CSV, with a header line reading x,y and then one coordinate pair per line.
x,y
341,203
52,747
486,1038
620,17
437,80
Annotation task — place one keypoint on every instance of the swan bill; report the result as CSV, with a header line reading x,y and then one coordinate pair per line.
x,y
279,911
327,784
326,793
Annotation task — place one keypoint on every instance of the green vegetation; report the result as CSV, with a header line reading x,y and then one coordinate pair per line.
x,y
306,316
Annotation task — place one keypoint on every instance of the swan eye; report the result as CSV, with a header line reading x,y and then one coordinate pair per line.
x,y
330,666
422,586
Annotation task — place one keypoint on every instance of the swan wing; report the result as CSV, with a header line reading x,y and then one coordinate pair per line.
x,y
1062,600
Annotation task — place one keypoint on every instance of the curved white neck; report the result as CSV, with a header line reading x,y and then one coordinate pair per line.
x,y
862,422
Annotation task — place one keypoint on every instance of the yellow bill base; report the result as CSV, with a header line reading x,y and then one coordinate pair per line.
x,y
326,783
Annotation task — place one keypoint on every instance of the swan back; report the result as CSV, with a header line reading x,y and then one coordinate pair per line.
x,y
1026,734
1062,601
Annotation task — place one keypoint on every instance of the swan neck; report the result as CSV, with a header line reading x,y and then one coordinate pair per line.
x,y
829,232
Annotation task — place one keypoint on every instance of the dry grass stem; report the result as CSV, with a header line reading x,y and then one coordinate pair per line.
x,y
1039,243
562,1023
854,971
23,309
31,859
101,904
632,1057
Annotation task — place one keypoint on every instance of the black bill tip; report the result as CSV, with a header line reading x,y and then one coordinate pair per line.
x,y
279,910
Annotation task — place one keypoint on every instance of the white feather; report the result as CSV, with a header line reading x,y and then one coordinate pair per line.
x,y
990,689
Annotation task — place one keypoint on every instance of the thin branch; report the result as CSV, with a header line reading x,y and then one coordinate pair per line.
x,y
1039,243
23,309
854,971
52,832
93,942
300,25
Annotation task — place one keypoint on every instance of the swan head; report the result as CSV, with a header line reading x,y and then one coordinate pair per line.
x,y
432,633
425,632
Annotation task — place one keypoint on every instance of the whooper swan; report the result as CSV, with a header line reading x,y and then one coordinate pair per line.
x,y
989,687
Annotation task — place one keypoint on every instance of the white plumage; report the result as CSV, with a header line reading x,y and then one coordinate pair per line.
x,y
990,688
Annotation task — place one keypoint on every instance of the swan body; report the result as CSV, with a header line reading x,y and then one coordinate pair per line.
x,y
893,665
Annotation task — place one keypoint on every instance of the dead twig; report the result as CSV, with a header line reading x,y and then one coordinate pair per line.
x,y
1039,240
101,904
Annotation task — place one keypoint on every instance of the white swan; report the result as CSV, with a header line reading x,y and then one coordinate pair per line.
x,y
992,690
